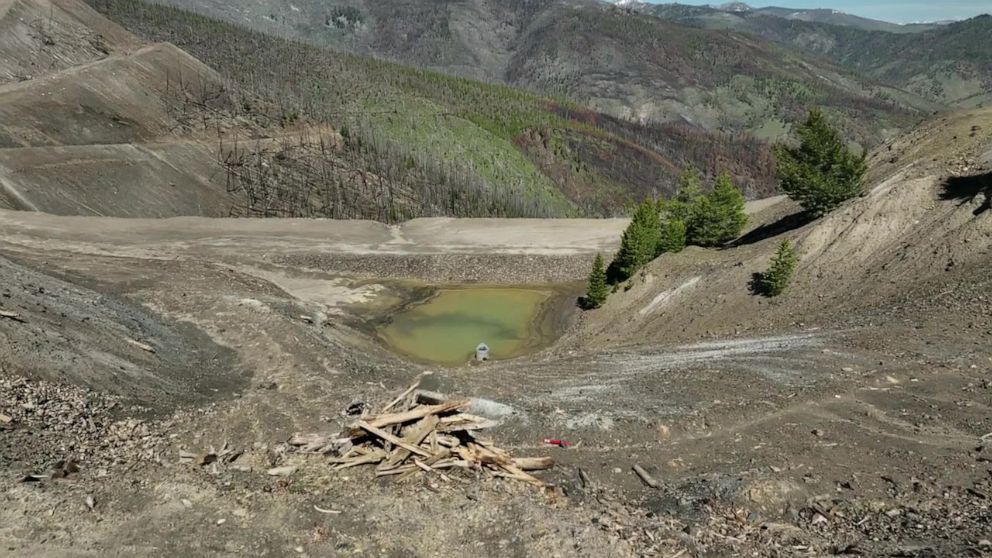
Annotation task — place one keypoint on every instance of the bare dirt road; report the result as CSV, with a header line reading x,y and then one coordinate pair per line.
x,y
252,238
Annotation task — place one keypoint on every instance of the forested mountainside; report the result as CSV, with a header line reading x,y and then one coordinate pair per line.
x,y
236,122
949,64
612,59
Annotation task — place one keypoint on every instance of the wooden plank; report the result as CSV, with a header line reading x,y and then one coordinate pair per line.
x,y
392,439
412,415
430,461
12,316
490,454
408,391
477,454
533,463
449,441
462,417
516,473
646,477
414,436
374,457
482,442
449,463
464,421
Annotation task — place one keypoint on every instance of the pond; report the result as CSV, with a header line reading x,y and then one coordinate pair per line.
x,y
446,328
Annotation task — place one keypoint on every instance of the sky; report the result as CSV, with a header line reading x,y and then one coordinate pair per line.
x,y
898,11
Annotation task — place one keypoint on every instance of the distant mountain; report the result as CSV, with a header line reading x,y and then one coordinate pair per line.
x,y
949,64
614,59
735,7
817,15
835,17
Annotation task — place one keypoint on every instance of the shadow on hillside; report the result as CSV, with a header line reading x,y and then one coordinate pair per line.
x,y
757,285
967,188
783,225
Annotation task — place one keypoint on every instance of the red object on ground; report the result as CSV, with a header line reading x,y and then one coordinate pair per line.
x,y
556,442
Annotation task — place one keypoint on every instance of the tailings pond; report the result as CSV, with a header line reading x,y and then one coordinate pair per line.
x,y
446,328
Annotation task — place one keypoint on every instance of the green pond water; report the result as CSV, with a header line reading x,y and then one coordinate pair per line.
x,y
446,328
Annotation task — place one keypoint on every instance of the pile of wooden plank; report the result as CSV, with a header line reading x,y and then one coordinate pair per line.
x,y
421,432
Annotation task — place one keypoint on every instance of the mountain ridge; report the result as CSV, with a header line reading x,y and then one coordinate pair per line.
x,y
947,64
813,15
644,68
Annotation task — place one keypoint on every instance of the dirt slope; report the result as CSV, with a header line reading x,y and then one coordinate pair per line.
x,y
102,125
924,218
41,37
193,237
93,122
118,99
69,333
126,180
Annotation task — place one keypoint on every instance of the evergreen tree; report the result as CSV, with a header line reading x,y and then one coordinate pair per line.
x,y
677,212
639,243
673,236
719,217
699,228
776,279
689,192
597,289
730,200
822,172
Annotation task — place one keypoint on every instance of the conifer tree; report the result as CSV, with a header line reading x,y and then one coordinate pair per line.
x,y
821,172
719,217
690,190
776,279
699,228
639,243
673,236
597,289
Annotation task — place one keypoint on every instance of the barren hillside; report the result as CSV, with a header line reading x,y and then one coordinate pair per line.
x,y
146,130
39,37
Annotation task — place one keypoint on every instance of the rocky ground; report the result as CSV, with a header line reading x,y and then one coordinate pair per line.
x,y
863,438
151,373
